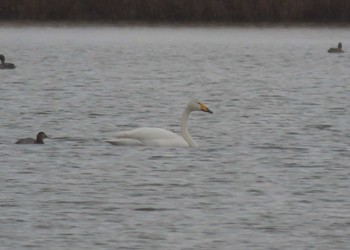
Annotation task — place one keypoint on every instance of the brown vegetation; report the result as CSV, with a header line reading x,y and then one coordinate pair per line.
x,y
177,10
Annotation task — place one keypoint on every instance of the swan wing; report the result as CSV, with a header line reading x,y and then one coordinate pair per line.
x,y
150,137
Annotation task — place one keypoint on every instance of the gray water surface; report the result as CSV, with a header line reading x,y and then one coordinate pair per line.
x,y
272,170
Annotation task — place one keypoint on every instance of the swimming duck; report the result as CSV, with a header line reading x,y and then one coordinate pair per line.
x,y
336,50
4,65
39,139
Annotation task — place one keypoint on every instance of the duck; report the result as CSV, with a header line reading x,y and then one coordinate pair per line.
x,y
4,65
148,136
39,139
337,50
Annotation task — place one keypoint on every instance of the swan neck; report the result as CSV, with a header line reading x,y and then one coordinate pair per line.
x,y
184,128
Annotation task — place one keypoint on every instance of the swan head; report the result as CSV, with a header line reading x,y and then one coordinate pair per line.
x,y
197,105
340,45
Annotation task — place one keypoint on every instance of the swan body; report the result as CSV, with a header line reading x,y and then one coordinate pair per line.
x,y
161,137
336,50
150,137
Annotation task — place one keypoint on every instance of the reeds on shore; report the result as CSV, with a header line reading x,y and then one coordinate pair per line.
x,y
177,10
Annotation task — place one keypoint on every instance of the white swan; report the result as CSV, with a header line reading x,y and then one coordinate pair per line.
x,y
162,137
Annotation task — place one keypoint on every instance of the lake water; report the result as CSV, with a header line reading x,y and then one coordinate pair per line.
x,y
273,164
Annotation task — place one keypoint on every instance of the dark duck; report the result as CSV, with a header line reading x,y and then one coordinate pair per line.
x,y
336,50
39,139
5,65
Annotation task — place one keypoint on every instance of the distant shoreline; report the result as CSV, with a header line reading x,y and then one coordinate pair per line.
x,y
177,11
23,23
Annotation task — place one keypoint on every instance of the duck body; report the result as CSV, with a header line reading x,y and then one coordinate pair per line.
x,y
5,65
39,139
161,137
28,141
337,50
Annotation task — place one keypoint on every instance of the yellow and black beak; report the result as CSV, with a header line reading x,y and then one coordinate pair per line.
x,y
205,108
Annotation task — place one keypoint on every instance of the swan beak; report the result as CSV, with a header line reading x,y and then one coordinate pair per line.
x,y
205,108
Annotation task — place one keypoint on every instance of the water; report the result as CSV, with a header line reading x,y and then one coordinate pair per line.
x,y
271,171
